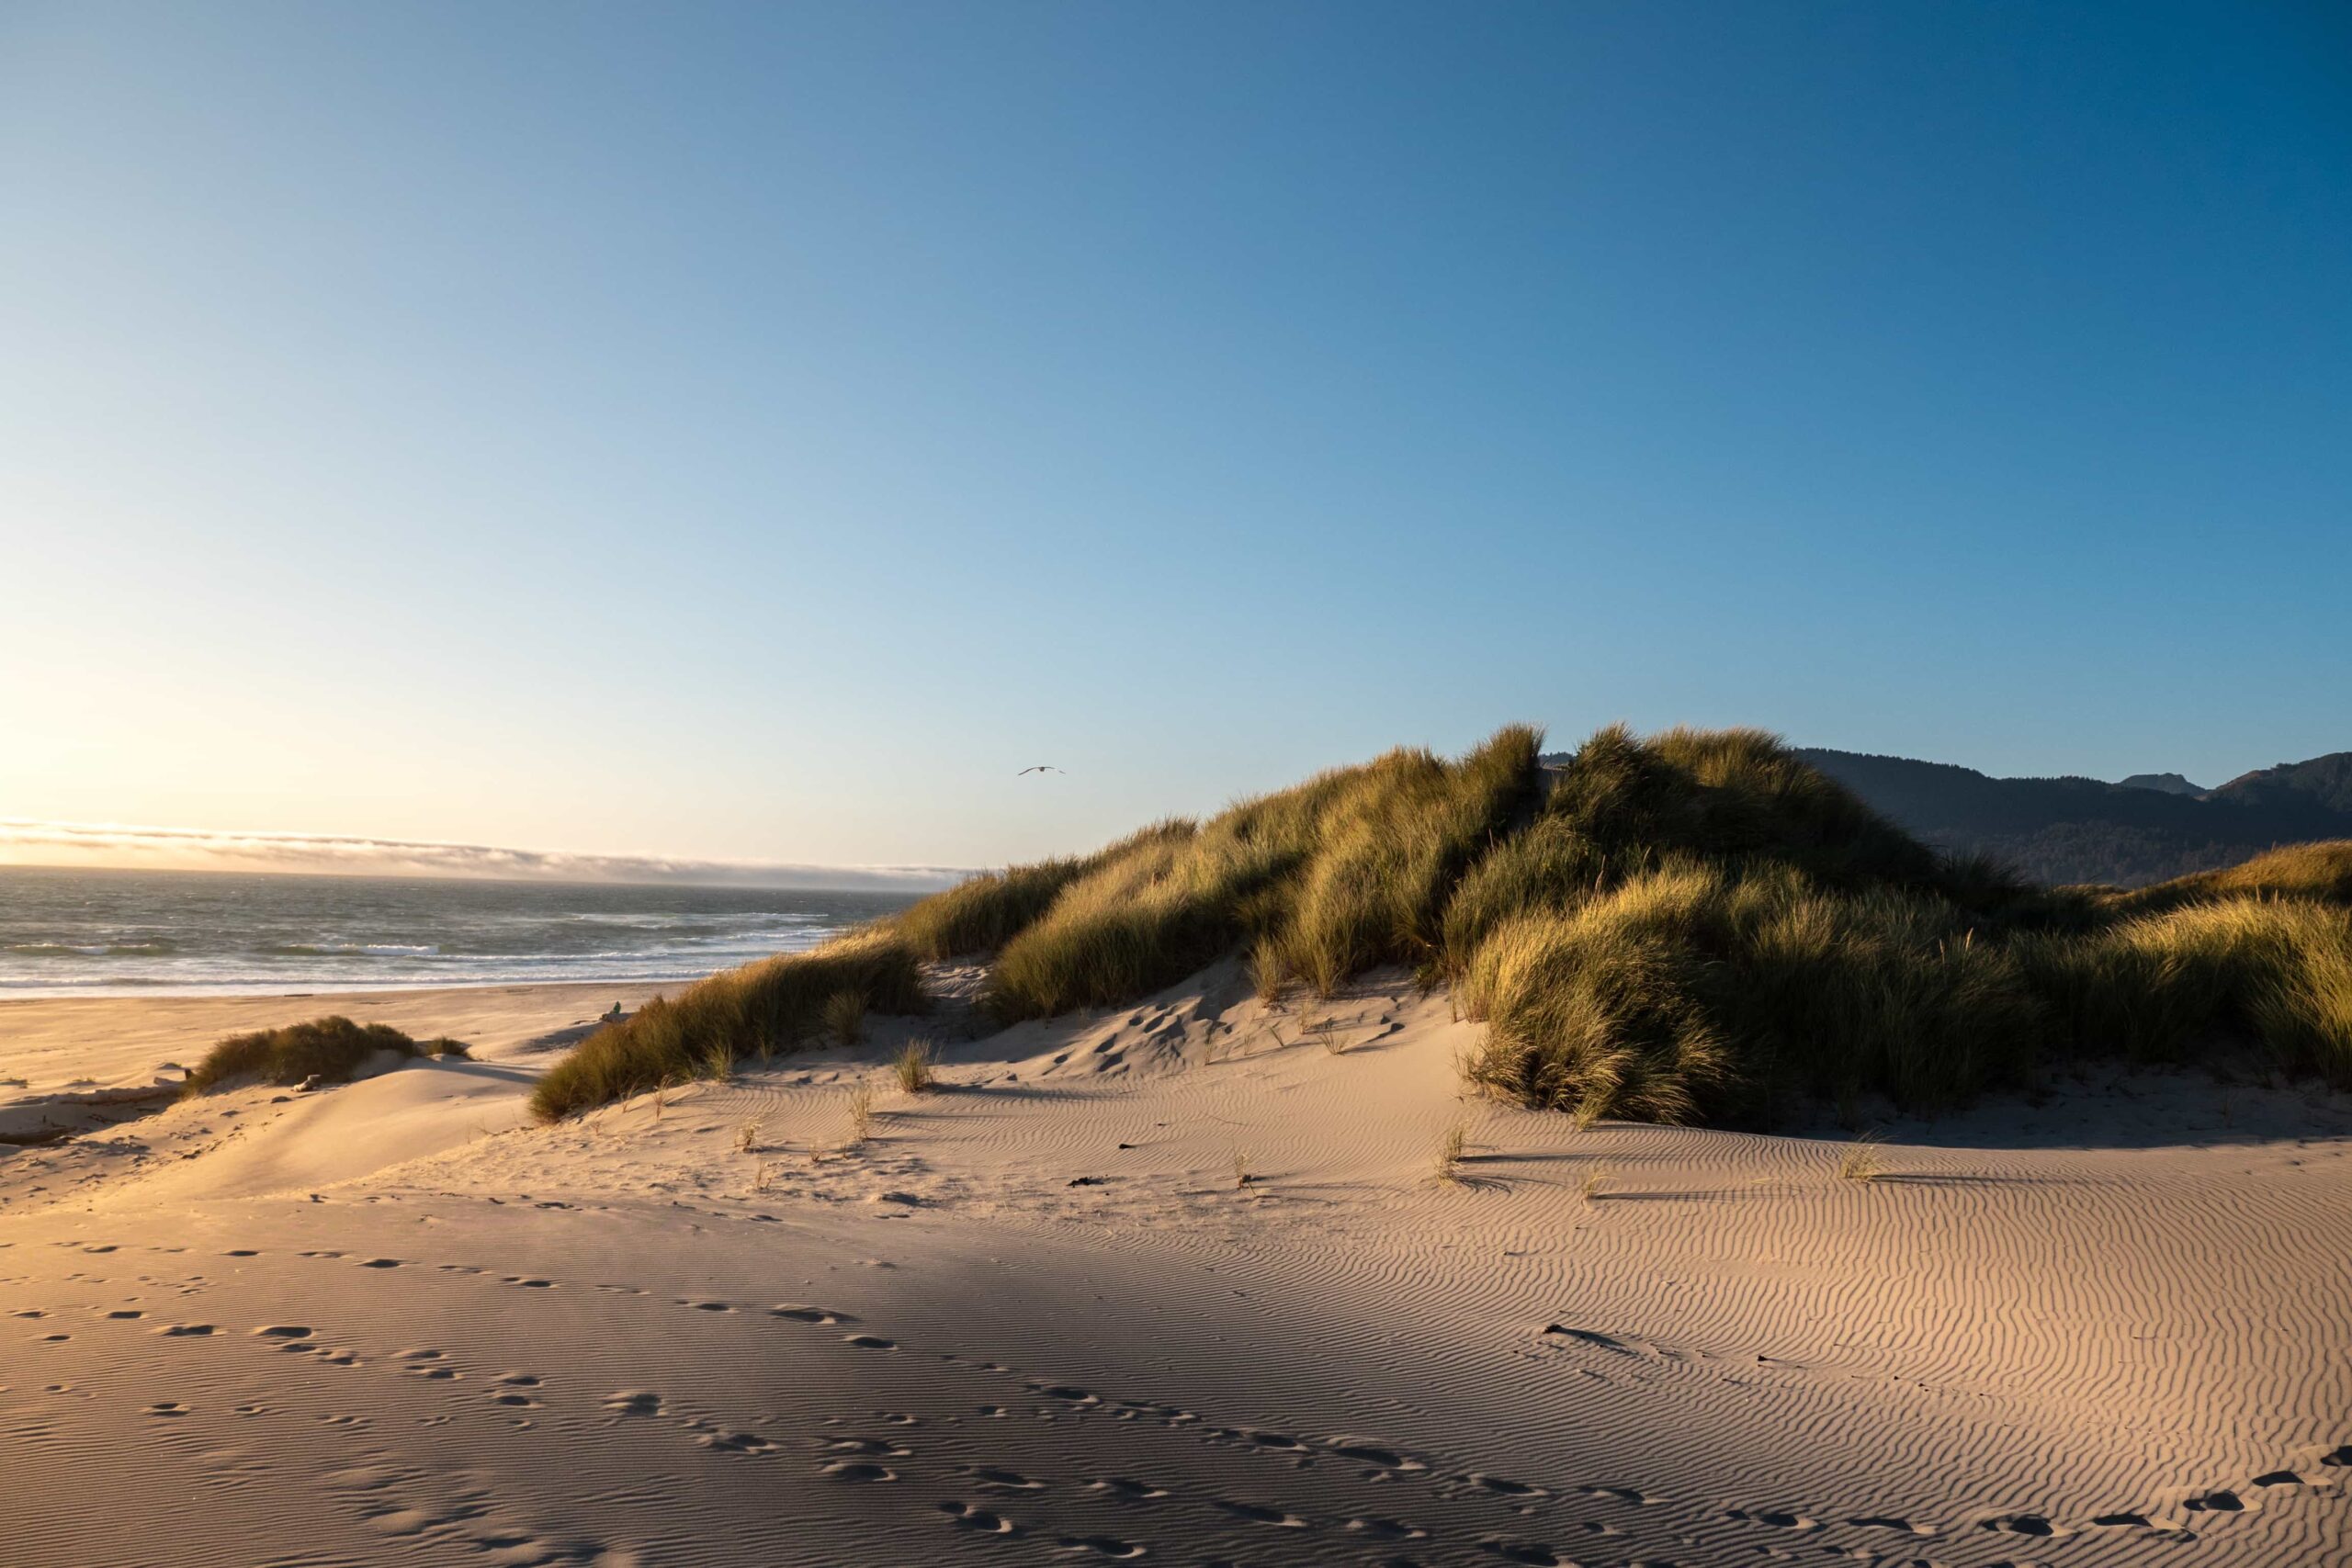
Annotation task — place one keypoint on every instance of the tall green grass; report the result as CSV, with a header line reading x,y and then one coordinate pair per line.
x,y
778,1004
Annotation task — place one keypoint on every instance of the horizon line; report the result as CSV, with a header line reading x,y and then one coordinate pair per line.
x,y
115,846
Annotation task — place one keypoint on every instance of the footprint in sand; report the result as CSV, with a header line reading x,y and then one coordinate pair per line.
x,y
1373,1455
282,1331
1100,1545
811,1314
1257,1515
186,1330
1122,1487
858,1470
634,1402
1006,1480
869,1342
2024,1524
1509,1488
966,1516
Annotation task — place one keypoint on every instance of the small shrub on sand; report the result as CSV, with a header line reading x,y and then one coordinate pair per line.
x,y
1860,1160
778,1004
861,1114
747,1137
914,1067
1242,1175
331,1049
1450,1150
1594,1185
442,1045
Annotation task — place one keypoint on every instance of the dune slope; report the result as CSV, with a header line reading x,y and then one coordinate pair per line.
x,y
1039,1315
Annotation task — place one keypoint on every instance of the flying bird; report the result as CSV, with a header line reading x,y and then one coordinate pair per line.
x,y
1040,767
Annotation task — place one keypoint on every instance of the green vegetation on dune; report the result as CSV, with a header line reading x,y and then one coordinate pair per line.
x,y
777,1004
2321,872
1695,926
1321,882
330,1049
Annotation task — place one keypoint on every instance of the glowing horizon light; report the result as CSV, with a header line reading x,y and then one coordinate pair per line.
x,y
126,846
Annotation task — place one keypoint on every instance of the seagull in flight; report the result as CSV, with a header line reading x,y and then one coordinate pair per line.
x,y
1040,767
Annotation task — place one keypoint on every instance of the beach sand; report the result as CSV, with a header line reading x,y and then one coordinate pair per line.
x,y
1041,1316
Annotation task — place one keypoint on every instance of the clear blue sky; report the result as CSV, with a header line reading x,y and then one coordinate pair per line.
x,y
755,431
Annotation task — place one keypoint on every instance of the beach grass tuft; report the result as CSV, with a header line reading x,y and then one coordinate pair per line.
x,y
331,1049
914,1067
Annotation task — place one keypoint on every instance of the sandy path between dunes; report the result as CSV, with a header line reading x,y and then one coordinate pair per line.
x,y
1037,1318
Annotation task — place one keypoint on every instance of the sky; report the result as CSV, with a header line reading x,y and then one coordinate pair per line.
x,y
754,433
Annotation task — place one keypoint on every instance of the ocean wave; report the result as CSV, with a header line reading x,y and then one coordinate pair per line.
x,y
68,934
346,950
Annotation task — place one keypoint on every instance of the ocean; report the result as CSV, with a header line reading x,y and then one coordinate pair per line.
x,y
95,933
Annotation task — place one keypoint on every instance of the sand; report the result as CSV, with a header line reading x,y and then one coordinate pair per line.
x,y
1039,1316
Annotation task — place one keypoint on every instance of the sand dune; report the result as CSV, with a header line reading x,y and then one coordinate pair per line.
x,y
1039,1316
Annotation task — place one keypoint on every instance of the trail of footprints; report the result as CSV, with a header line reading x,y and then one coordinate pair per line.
x,y
1000,1498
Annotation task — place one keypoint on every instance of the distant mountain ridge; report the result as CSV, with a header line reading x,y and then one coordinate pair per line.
x,y
2325,781
2149,827
2163,783
2075,829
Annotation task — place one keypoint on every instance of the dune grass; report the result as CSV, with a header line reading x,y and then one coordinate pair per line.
x,y
982,913
1699,928
2161,988
913,1069
331,1049
779,1004
1345,871
1694,926
2319,872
